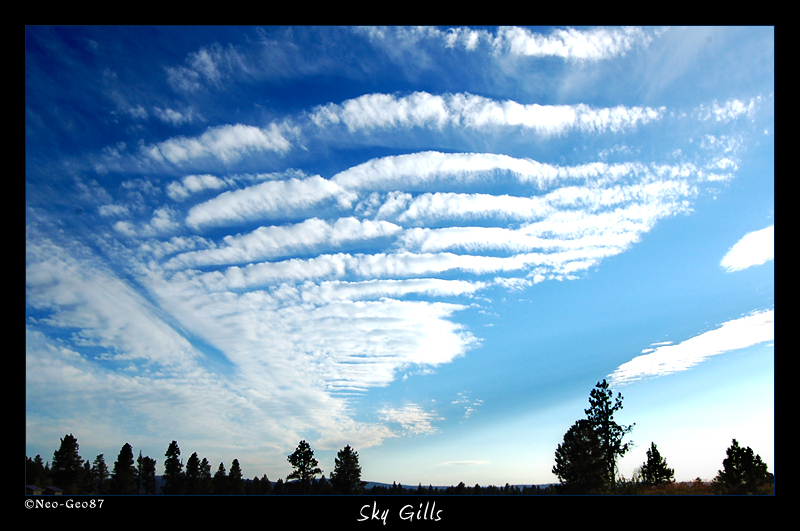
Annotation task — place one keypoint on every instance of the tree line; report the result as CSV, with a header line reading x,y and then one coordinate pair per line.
x,y
586,463
70,474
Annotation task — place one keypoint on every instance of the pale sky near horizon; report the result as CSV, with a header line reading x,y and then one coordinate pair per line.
x,y
427,243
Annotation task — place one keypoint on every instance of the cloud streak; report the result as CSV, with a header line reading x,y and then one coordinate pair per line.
x,y
227,143
737,334
754,249
570,44
421,109
268,199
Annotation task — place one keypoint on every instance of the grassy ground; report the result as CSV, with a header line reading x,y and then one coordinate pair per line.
x,y
691,488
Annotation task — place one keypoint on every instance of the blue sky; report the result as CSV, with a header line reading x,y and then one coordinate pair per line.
x,y
427,243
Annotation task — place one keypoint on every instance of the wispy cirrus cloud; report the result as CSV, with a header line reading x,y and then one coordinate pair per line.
x,y
758,327
568,43
755,248
108,314
210,65
412,418
730,109
572,44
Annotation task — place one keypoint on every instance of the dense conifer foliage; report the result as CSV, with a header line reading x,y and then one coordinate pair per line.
x,y
67,465
173,470
743,472
123,479
346,475
655,470
601,416
304,465
586,462
579,460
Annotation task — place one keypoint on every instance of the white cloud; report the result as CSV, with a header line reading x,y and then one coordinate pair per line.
x,y
271,198
755,248
372,266
418,169
227,143
412,418
113,210
162,222
174,117
340,345
192,184
730,109
79,294
737,334
268,242
421,109
655,194
571,44
209,65
329,291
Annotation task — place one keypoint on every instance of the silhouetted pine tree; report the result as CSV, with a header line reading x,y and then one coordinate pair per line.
x,y
304,465
123,478
655,470
235,481
221,480
67,467
579,460
100,474
192,475
601,415
206,480
346,475
743,473
173,470
147,475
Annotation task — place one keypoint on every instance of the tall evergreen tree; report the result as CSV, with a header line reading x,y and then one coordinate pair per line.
x,y
192,475
123,478
86,485
139,464
67,466
579,460
346,475
304,465
235,480
206,486
173,470
221,480
655,470
147,475
601,416
100,474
